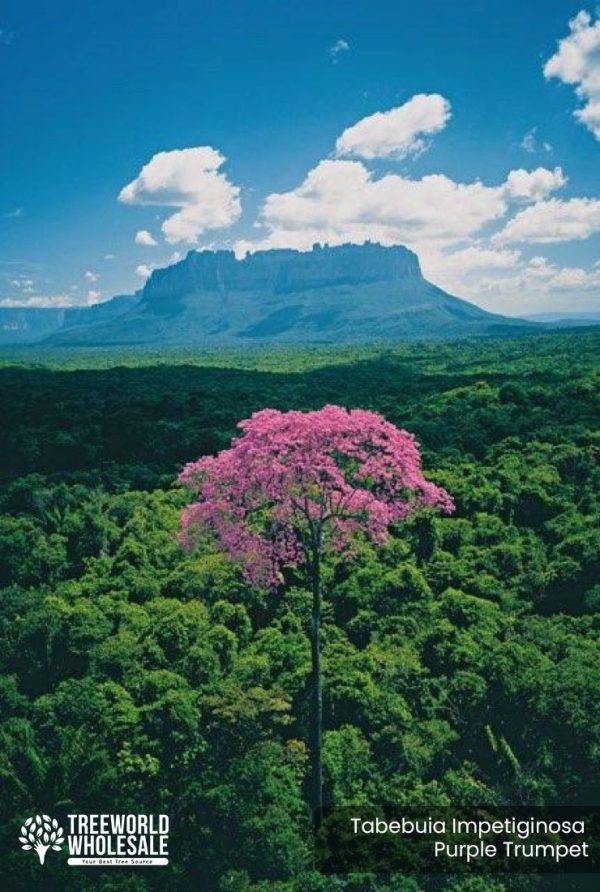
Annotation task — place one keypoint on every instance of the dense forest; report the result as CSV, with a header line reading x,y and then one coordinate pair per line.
x,y
461,660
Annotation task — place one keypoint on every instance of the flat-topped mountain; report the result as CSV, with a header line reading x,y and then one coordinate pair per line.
x,y
328,295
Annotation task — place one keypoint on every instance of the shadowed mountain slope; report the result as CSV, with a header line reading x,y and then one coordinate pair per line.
x,y
345,294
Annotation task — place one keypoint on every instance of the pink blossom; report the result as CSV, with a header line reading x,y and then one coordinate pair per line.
x,y
291,476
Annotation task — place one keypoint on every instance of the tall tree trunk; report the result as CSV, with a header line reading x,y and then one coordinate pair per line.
x,y
317,690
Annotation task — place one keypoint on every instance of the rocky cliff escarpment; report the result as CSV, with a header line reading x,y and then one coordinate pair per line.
x,y
345,294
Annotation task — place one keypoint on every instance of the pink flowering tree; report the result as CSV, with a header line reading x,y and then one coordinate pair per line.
x,y
298,485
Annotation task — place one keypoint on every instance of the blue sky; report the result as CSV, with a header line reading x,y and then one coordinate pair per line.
x,y
487,164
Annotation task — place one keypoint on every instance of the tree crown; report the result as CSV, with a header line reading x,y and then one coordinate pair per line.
x,y
297,481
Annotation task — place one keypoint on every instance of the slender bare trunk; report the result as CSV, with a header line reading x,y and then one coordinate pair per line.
x,y
317,687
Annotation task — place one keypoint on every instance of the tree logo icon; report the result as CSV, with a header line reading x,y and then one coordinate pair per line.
x,y
40,834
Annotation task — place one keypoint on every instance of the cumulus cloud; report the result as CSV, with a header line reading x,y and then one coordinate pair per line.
x,y
473,259
461,271
398,132
90,276
538,278
143,237
449,224
577,62
337,49
534,185
342,201
504,281
553,221
188,179
94,297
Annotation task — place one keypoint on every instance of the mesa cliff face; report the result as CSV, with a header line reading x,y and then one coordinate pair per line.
x,y
345,294
281,271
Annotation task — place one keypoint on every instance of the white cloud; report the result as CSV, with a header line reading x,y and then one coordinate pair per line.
x,y
540,275
553,221
337,49
448,224
460,271
91,276
145,270
577,62
534,185
38,301
57,301
22,283
575,277
110,256
472,259
531,145
508,283
528,142
341,201
188,179
547,275
143,237
398,132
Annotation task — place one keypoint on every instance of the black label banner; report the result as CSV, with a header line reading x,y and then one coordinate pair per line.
x,y
464,841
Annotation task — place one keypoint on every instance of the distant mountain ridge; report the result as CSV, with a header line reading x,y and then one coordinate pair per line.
x,y
566,319
344,294
25,325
